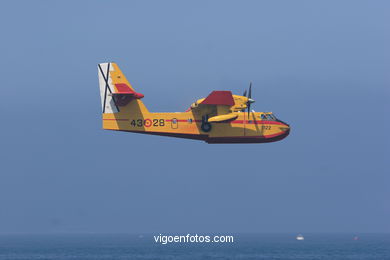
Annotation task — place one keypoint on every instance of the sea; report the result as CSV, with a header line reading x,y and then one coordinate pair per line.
x,y
245,246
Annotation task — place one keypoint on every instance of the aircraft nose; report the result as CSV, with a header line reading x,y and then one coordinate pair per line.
x,y
285,127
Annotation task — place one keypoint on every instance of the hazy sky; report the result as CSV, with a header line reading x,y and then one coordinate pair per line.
x,y
322,66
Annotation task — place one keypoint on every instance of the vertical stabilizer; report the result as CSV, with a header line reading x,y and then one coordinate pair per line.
x,y
116,92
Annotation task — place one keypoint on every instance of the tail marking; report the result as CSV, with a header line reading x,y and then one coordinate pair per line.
x,y
105,77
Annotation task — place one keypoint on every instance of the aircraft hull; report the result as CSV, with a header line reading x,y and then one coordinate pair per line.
x,y
220,140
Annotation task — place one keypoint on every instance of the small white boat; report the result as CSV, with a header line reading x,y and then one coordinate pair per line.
x,y
300,237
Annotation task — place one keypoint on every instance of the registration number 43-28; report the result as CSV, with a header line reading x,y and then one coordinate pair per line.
x,y
147,122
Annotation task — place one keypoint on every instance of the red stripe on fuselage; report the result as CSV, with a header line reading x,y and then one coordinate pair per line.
x,y
235,122
119,119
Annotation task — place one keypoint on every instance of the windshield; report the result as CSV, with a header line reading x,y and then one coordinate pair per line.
x,y
269,117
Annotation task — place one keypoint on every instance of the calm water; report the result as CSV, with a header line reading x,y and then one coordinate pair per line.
x,y
104,247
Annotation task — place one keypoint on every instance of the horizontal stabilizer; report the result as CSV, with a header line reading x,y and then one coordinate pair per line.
x,y
222,118
124,94
124,89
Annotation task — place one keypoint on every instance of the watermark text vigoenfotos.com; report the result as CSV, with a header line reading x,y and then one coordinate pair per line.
x,y
165,239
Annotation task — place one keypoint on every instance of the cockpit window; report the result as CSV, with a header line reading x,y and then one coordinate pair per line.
x,y
270,117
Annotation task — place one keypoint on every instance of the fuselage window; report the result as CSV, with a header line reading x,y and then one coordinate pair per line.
x,y
270,117
263,117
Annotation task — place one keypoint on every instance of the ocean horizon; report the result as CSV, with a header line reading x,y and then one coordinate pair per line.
x,y
62,246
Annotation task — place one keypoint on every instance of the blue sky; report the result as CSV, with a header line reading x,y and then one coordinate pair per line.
x,y
322,66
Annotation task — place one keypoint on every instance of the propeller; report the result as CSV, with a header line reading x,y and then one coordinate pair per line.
x,y
250,100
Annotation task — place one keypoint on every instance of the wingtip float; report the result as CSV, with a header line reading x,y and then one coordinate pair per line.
x,y
221,117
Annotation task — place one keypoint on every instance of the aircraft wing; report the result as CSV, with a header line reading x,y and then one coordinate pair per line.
x,y
224,98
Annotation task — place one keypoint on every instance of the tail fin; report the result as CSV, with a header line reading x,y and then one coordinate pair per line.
x,y
115,91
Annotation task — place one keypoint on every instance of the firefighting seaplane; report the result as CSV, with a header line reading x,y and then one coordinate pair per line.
x,y
219,118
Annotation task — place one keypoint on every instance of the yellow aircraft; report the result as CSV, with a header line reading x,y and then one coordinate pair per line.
x,y
218,118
